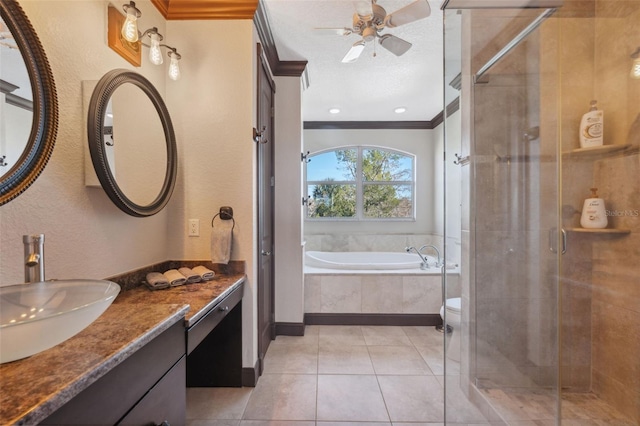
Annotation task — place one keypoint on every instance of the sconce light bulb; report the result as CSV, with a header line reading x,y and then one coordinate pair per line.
x,y
155,55
174,68
635,69
130,27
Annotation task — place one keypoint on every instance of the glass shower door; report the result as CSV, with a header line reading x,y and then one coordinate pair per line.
x,y
502,158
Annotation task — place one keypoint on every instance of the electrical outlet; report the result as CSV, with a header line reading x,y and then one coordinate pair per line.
x,y
194,227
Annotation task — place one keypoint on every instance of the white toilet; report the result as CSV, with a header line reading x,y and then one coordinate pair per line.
x,y
453,320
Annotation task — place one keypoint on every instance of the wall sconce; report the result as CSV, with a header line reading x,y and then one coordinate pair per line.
x,y
635,67
131,34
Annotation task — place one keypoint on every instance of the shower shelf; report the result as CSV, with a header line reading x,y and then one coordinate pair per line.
x,y
601,150
600,231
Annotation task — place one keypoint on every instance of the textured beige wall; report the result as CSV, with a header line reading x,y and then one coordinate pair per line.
x,y
213,110
86,235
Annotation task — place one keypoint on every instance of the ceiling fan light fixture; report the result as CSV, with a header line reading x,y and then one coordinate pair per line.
x,y
400,110
334,110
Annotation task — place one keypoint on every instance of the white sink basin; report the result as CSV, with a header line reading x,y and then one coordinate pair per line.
x,y
38,316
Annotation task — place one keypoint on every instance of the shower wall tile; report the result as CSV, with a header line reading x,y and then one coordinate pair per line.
x,y
616,345
341,293
382,294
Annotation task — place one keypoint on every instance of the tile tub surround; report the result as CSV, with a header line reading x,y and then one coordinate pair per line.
x,y
406,292
35,387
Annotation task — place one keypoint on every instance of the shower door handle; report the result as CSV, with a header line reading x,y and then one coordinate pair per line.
x,y
552,240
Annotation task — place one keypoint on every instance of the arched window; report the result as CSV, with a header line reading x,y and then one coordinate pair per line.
x,y
361,183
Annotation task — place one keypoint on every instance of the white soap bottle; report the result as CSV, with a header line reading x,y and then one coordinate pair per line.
x,y
592,127
594,215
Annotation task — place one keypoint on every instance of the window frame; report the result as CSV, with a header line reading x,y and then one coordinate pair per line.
x,y
360,184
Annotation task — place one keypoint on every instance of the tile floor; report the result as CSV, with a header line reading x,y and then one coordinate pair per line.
x,y
338,375
375,376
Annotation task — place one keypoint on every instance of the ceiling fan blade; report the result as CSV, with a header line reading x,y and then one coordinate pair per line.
x,y
354,52
419,9
333,31
394,44
363,8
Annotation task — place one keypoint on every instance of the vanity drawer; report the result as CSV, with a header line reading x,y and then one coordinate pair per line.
x,y
201,329
166,402
107,400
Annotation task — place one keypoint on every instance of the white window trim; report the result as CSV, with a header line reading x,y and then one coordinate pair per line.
x,y
360,183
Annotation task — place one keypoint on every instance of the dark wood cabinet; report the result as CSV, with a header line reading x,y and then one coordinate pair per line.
x,y
130,387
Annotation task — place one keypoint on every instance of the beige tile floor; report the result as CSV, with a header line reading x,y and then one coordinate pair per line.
x,y
339,376
374,376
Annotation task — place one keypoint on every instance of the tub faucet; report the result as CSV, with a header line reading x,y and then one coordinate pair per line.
x,y
439,262
33,258
424,264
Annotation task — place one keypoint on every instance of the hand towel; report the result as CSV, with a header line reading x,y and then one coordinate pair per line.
x,y
175,278
221,238
191,276
156,281
205,273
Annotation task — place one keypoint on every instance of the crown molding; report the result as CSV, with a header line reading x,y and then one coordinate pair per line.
x,y
206,9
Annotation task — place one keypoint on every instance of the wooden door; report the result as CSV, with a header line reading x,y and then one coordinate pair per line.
x,y
265,142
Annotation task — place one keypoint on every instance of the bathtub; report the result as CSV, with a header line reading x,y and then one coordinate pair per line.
x,y
354,287
357,260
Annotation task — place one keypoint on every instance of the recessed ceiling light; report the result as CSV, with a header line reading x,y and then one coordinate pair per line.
x,y
334,110
400,110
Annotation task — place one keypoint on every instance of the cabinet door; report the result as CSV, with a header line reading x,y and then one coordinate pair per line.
x,y
165,403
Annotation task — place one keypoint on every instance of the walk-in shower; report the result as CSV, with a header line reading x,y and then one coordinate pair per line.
x,y
549,310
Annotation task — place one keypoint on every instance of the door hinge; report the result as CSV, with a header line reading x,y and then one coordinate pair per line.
x,y
273,112
305,157
273,181
305,200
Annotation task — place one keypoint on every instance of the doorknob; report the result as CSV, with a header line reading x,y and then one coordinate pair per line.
x,y
265,253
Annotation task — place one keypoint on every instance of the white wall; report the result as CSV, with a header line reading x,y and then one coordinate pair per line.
x,y
417,142
86,235
289,288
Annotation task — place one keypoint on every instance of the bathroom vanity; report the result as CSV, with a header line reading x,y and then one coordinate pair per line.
x,y
132,365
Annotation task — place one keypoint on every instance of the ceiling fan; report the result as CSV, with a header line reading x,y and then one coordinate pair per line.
x,y
370,19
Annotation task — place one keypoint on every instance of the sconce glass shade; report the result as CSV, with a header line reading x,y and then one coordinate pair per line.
x,y
155,55
635,69
130,26
174,66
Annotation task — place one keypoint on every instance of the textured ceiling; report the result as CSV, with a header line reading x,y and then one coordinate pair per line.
x,y
370,88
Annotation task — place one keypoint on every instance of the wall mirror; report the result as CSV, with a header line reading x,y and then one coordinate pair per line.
x,y
28,103
132,143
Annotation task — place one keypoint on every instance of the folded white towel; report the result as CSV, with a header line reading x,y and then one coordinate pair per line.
x,y
175,278
191,276
205,273
156,281
221,238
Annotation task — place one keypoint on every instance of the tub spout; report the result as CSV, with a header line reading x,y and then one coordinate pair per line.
x,y
426,246
424,264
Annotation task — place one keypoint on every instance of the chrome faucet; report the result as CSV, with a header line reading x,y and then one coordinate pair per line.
x,y
424,264
33,258
439,262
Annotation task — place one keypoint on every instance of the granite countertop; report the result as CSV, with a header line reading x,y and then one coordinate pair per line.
x,y
200,296
34,387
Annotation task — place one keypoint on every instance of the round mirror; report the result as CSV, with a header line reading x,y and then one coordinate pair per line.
x,y
132,143
28,104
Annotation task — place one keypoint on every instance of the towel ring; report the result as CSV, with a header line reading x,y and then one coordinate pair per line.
x,y
225,213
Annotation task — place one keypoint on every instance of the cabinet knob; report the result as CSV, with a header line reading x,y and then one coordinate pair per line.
x,y
223,308
165,423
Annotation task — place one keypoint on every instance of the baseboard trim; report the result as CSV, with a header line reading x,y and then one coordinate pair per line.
x,y
372,319
289,329
250,375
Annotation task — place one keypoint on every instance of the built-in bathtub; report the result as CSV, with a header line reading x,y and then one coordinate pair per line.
x,y
373,288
